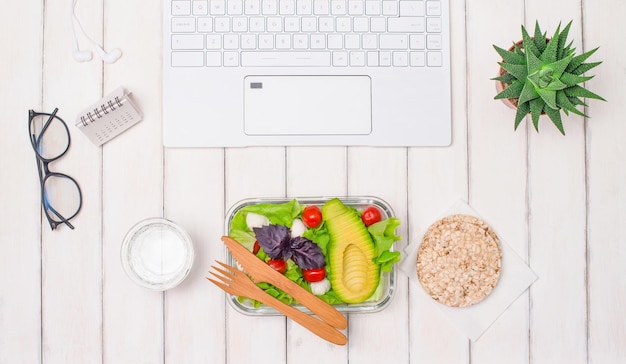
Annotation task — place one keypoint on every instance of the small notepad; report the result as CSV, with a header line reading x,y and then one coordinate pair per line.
x,y
109,117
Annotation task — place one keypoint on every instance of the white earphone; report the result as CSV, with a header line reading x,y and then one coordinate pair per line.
x,y
86,55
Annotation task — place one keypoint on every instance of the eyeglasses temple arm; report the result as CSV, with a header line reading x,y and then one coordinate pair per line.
x,y
45,126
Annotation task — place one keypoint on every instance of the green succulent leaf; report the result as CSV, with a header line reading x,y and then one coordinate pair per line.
x,y
518,71
528,93
559,66
564,51
549,55
518,50
575,100
584,68
549,97
539,38
522,111
533,63
578,60
536,107
509,57
506,78
555,116
573,80
511,92
529,44
540,78
580,91
556,85
564,102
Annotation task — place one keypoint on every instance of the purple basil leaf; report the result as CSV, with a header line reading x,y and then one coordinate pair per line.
x,y
274,239
305,253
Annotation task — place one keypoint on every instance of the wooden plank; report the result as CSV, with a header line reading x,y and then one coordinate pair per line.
x,y
72,313
249,173
606,231
381,172
315,171
497,164
20,215
194,311
557,197
437,178
132,184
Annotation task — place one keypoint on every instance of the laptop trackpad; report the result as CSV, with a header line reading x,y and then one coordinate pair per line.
x,y
307,105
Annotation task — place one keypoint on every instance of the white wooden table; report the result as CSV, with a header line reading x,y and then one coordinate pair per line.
x,y
560,202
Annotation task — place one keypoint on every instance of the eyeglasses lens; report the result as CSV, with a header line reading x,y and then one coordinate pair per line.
x,y
61,197
51,136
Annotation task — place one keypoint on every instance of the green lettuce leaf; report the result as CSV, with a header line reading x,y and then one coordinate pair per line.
x,y
280,214
387,260
384,234
320,236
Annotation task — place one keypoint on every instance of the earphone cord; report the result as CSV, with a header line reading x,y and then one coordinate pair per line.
x,y
80,26
108,57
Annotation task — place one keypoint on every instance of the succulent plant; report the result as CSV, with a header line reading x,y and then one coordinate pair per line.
x,y
544,75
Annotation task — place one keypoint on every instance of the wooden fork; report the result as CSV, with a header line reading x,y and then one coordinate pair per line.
x,y
237,283
259,271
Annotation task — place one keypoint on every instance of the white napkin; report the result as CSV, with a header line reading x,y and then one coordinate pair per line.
x,y
515,278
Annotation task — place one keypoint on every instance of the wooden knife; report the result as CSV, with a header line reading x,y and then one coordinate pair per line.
x,y
259,271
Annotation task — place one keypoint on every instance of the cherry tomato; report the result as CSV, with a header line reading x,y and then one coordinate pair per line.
x,y
371,215
256,248
312,216
279,265
314,275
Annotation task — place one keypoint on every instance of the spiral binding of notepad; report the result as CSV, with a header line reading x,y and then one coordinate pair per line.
x,y
108,117
101,111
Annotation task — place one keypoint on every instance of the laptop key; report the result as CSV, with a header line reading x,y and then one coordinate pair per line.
x,y
433,59
433,41
181,7
400,59
183,25
218,7
413,24
285,59
417,59
269,7
187,59
393,41
200,8
231,59
235,7
433,25
252,7
213,59
412,8
187,41
433,8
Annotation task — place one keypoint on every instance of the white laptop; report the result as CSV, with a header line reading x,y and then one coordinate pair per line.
x,y
306,72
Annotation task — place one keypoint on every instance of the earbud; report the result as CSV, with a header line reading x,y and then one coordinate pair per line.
x,y
109,57
81,56
85,55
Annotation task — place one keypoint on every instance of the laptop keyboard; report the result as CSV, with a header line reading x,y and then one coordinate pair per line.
x,y
306,33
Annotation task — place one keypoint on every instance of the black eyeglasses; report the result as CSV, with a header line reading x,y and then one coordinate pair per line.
x,y
61,197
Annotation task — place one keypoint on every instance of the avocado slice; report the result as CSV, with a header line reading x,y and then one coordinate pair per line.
x,y
353,274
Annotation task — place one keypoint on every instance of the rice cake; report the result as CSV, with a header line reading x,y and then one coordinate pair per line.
x,y
459,260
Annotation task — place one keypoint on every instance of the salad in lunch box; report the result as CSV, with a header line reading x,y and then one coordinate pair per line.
x,y
333,250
